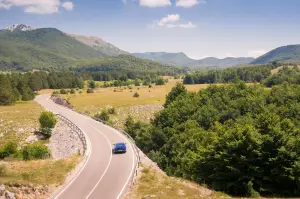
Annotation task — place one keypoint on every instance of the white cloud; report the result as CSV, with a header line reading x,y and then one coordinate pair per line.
x,y
37,6
68,5
183,25
169,19
188,3
155,3
256,53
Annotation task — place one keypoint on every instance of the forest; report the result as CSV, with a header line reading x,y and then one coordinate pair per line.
x,y
247,74
238,139
286,74
22,86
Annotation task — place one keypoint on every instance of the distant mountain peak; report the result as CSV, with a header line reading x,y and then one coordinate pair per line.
x,y
19,27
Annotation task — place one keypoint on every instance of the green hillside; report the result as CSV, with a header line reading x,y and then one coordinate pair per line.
x,y
43,48
126,63
290,54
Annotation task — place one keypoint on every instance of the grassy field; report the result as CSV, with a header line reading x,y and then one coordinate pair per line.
x,y
123,96
153,184
18,121
38,172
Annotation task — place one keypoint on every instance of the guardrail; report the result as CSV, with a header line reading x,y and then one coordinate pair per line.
x,y
132,142
77,131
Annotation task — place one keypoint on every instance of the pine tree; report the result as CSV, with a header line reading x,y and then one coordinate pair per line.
x,y
6,91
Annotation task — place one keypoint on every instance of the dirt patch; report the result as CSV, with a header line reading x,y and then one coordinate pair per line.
x,y
61,101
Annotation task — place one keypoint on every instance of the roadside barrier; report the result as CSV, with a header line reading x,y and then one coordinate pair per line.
x,y
75,129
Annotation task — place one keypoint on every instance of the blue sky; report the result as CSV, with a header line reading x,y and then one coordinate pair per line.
x,y
198,28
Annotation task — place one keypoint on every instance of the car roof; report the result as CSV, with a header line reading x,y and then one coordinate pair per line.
x,y
120,143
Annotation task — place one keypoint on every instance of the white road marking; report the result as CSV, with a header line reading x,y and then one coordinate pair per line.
x,y
89,155
132,169
107,165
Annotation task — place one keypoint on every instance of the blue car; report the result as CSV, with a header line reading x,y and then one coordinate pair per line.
x,y
119,147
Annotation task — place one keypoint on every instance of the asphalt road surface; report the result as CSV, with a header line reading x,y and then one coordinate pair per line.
x,y
104,175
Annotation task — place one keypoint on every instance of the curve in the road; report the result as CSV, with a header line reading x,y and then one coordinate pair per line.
x,y
103,174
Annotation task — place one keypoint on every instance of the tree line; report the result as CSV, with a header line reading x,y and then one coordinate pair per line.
x,y
239,139
289,75
21,86
247,74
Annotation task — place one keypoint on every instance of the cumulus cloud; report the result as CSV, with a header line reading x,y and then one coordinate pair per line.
x,y
155,3
169,19
256,53
188,3
172,21
68,5
37,6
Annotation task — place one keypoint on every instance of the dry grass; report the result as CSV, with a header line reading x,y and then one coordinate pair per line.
x,y
39,172
123,97
153,184
18,121
46,91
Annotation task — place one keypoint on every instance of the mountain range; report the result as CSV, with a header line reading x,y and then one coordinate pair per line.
x,y
287,54
24,48
181,59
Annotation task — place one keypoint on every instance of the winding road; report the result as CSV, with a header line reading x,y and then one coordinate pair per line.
x,y
103,174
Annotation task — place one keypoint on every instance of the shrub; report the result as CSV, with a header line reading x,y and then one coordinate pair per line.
x,y
89,90
55,93
8,149
136,94
160,81
112,110
80,92
3,170
72,91
35,151
150,86
47,122
63,91
104,115
91,84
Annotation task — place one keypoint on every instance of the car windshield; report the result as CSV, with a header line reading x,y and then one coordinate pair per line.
x,y
120,145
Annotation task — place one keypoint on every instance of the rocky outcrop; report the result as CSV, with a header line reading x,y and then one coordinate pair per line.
x,y
58,100
64,141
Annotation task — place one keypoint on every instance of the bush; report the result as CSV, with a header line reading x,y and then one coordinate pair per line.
x,y
47,122
55,93
8,149
160,81
35,151
3,170
112,110
136,94
72,91
80,92
89,90
63,91
104,115
91,84
150,86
